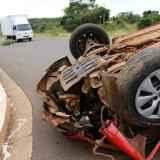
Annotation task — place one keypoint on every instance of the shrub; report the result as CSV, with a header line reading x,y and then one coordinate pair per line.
x,y
144,22
149,18
80,13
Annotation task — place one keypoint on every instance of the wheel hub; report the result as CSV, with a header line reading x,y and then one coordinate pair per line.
x,y
147,100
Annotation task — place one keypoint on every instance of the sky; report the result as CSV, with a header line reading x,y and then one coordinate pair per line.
x,y
54,8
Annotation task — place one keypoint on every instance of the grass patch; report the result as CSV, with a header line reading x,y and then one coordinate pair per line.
x,y
5,42
116,29
51,35
54,31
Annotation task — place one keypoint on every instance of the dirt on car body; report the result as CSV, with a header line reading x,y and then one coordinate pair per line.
x,y
106,83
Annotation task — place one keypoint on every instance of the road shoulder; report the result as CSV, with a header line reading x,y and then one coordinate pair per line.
x,y
18,144
4,115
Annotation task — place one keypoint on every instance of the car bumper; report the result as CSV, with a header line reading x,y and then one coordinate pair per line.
x,y
23,36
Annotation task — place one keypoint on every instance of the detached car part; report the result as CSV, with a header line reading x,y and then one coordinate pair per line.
x,y
118,83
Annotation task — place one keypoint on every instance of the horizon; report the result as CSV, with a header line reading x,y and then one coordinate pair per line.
x,y
33,9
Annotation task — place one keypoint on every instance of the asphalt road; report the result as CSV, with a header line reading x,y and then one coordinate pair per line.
x,y
26,63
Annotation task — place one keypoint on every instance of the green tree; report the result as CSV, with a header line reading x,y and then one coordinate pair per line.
x,y
89,2
80,12
97,15
144,22
150,13
128,17
149,18
43,25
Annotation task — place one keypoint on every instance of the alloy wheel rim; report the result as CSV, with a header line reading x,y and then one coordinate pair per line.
x,y
147,99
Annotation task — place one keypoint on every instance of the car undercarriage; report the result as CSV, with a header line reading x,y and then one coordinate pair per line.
x,y
110,95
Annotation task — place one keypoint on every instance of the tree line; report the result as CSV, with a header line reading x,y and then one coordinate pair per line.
x,y
79,12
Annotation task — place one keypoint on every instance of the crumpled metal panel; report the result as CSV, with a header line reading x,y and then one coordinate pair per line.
x,y
140,37
76,72
99,70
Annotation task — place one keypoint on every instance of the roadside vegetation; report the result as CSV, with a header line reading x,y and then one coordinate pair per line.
x,y
4,41
79,12
48,27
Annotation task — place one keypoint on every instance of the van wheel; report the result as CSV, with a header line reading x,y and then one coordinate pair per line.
x,y
139,87
19,40
84,35
9,37
30,39
14,38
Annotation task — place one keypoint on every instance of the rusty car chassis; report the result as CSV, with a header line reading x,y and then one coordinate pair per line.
x,y
82,99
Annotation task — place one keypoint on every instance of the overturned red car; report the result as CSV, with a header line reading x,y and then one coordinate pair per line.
x,y
110,95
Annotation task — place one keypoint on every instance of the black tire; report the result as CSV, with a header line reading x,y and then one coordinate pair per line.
x,y
9,37
130,78
96,30
19,40
14,38
29,39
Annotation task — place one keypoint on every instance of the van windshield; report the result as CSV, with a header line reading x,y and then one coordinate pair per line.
x,y
23,27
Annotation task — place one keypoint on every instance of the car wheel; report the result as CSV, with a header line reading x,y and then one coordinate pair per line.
x,y
84,34
139,88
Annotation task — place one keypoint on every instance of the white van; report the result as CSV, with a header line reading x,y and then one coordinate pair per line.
x,y
16,27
